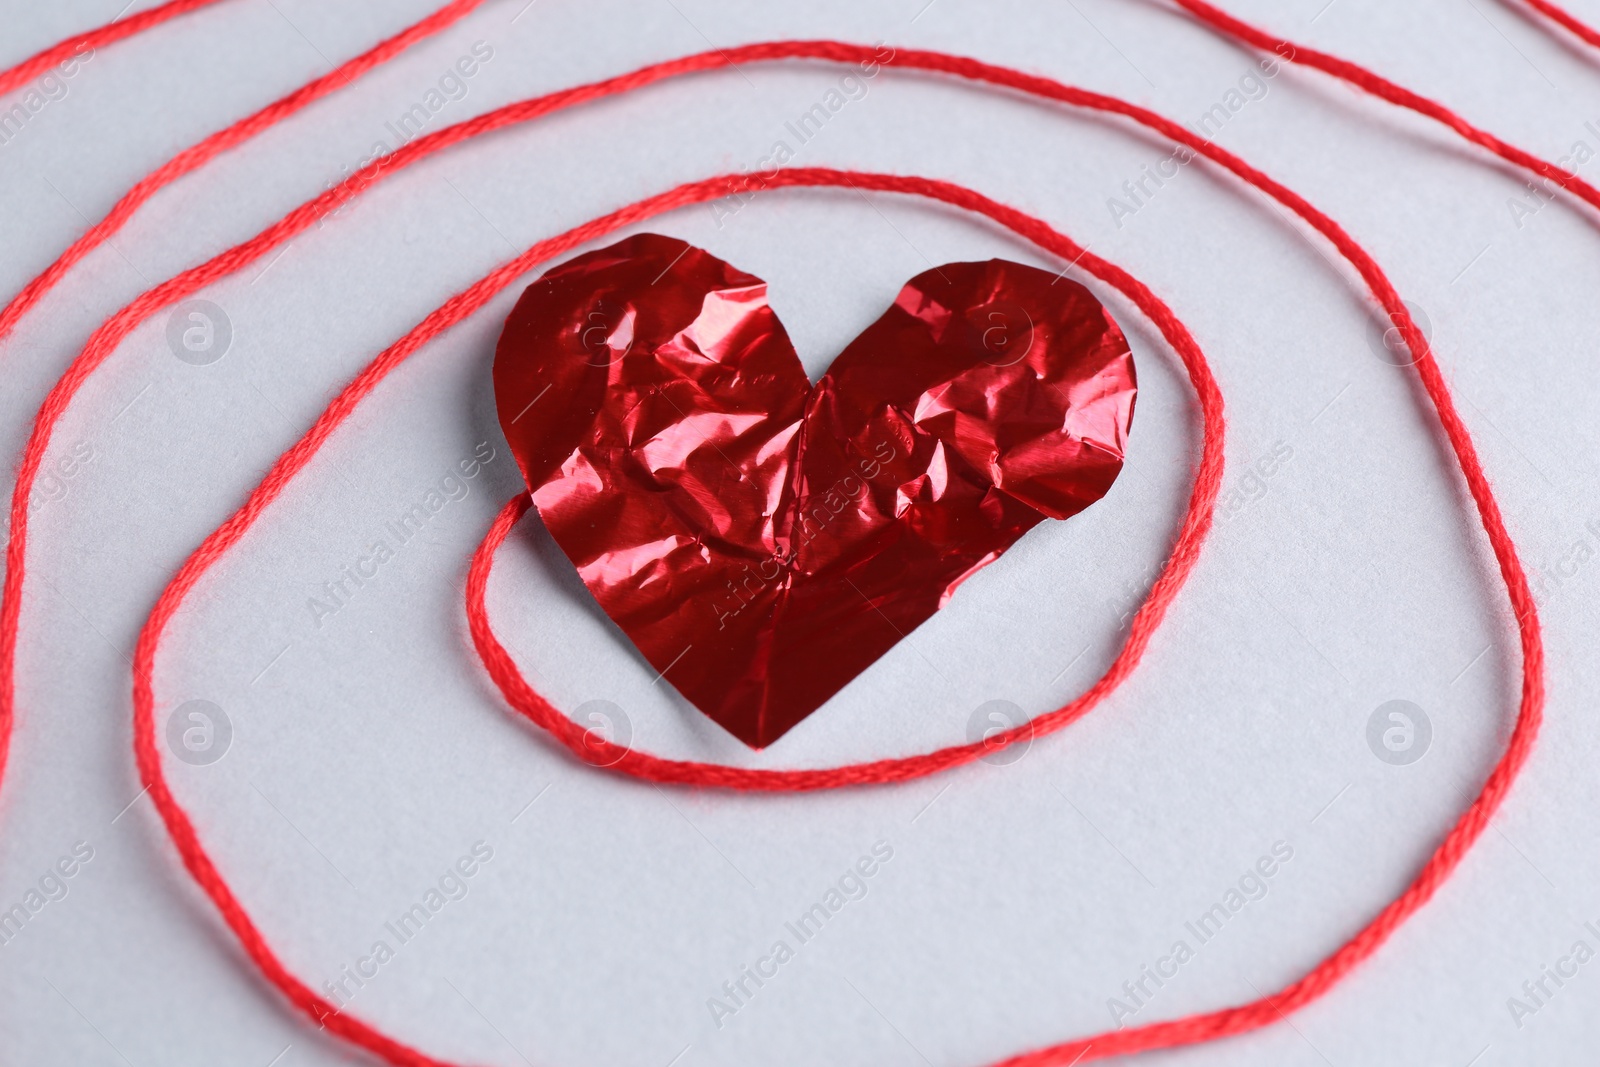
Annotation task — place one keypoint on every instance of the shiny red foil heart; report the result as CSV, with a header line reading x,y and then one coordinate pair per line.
x,y
763,540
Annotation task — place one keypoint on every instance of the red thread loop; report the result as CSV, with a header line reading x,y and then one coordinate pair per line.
x,y
1196,1028
1206,1026
1180,562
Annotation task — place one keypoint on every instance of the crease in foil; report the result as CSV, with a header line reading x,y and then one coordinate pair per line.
x,y
763,540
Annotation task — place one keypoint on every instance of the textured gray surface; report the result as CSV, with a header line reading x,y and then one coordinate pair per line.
x,y
368,754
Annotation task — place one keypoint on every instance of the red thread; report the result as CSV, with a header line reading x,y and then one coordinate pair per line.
x,y
197,155
190,159
110,33
1185,552
1385,89
460,306
1566,21
1195,1028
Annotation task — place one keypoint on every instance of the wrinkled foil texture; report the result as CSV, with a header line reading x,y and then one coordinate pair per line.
x,y
763,540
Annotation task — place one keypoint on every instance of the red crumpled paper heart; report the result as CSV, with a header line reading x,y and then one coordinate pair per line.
x,y
763,540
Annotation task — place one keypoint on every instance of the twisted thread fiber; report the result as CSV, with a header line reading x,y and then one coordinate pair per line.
x,y
110,33
1201,1027
1561,17
185,162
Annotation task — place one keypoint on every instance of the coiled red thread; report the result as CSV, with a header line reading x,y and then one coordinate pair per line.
x,y
1384,89
624,760
213,883
459,307
202,152
190,159
1196,1028
1525,619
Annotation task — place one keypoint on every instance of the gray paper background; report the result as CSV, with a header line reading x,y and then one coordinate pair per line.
x,y
369,753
